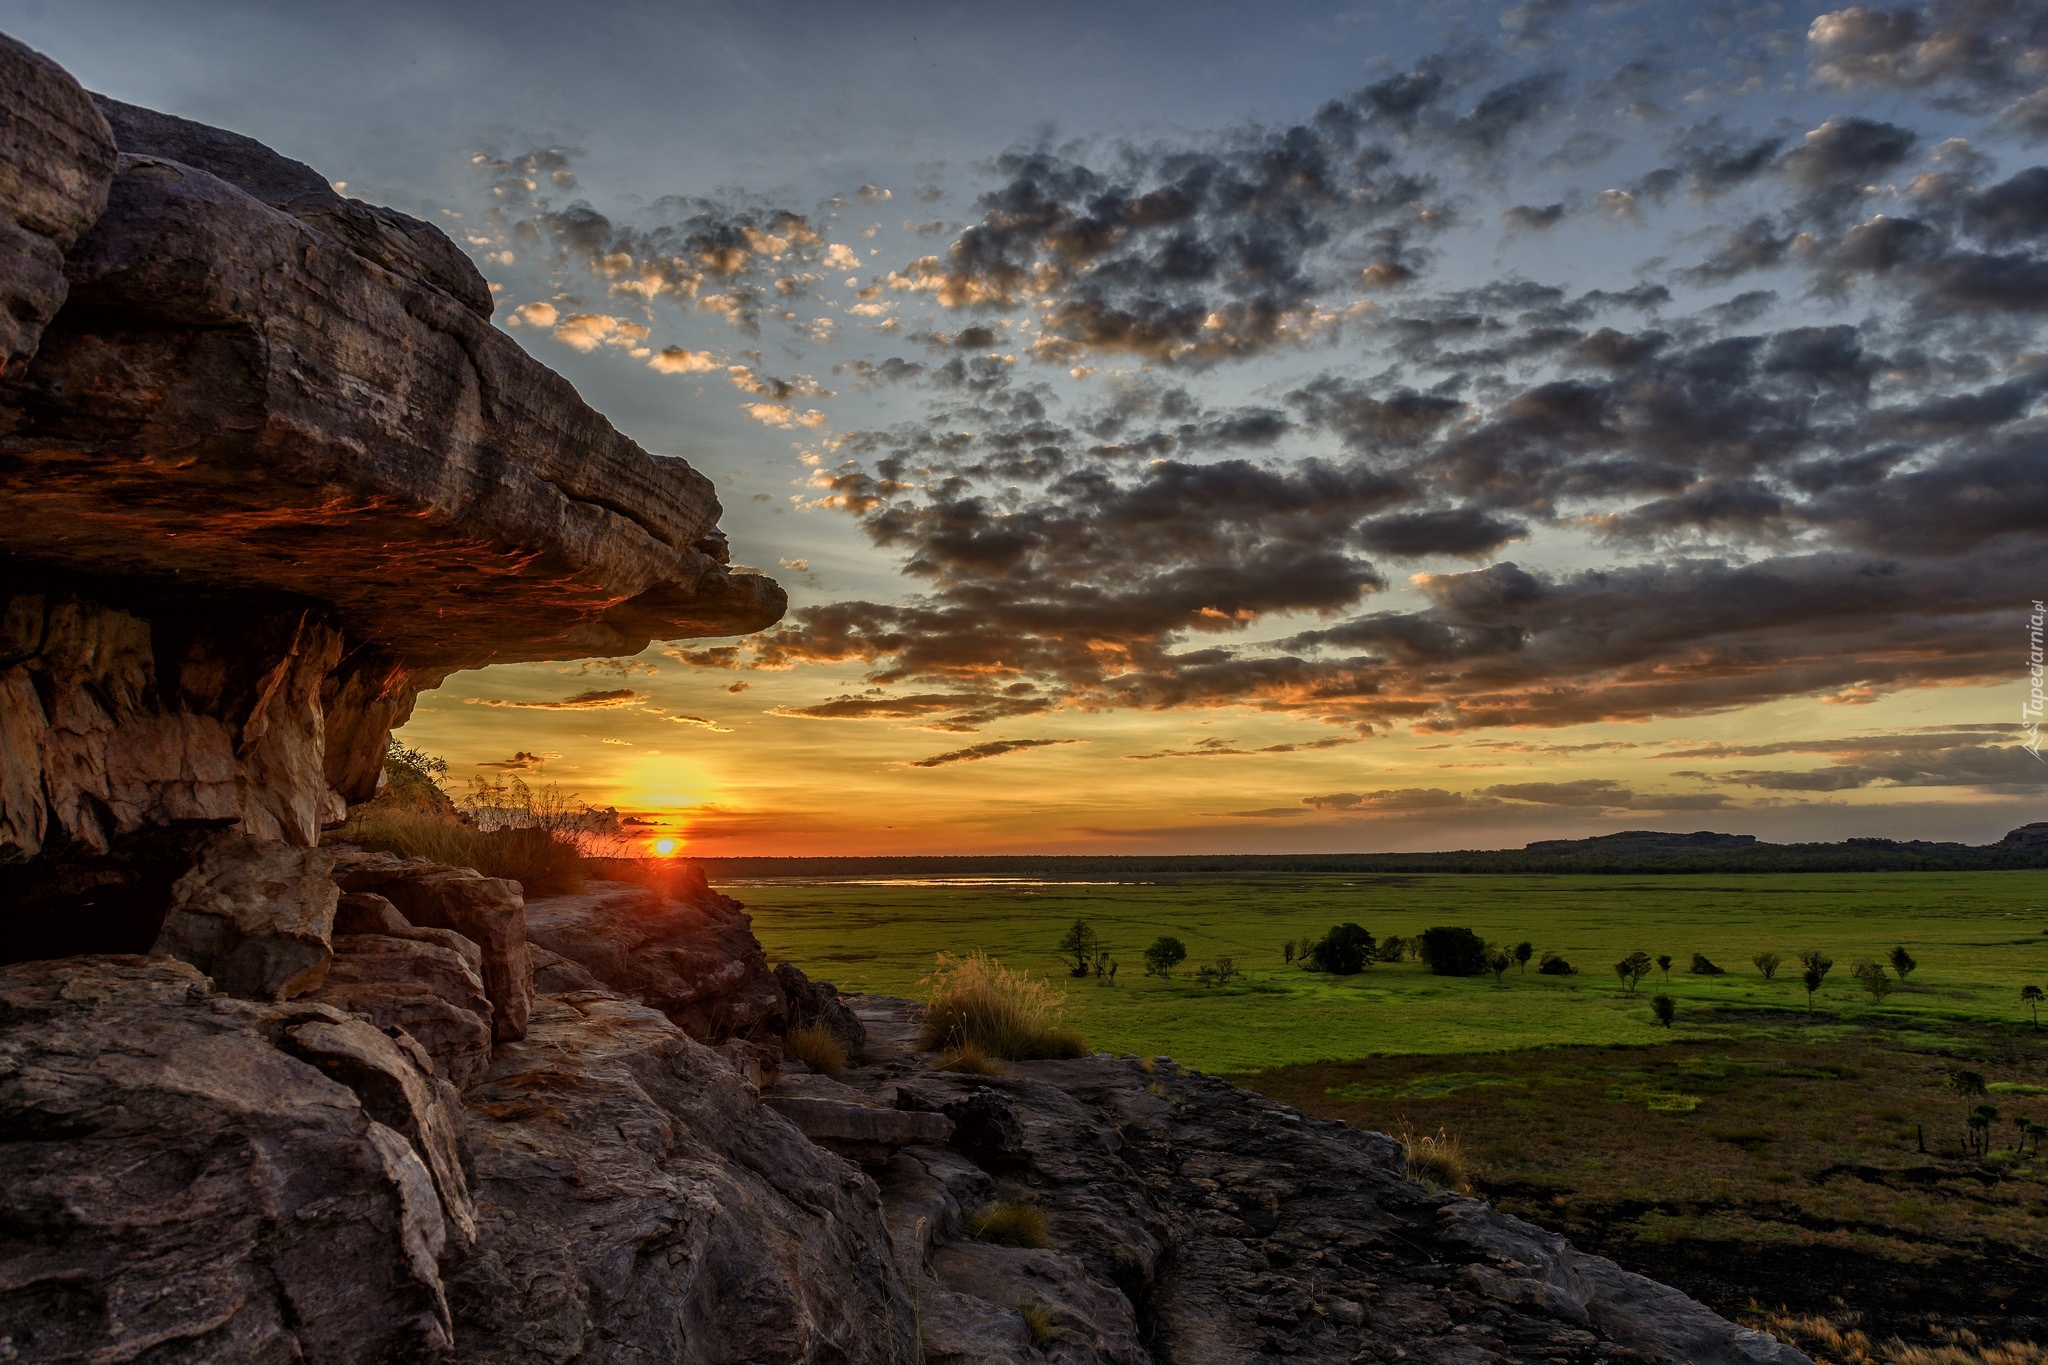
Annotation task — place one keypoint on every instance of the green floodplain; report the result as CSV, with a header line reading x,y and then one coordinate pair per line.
x,y
1815,1173
1978,937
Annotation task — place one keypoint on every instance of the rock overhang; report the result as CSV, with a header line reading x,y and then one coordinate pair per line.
x,y
254,385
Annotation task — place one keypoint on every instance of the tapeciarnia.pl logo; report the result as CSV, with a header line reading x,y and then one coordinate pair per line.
x,y
2030,709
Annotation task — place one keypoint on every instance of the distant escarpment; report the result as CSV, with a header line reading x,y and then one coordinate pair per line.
x,y
266,471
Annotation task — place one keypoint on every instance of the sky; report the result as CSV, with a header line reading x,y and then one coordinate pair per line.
x,y
1245,428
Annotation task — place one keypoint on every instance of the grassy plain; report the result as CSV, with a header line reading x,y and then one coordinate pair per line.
x,y
1979,937
1755,1154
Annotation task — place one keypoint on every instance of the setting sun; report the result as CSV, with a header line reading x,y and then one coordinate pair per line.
x,y
664,847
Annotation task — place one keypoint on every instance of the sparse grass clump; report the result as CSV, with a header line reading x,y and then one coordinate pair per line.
x,y
817,1047
977,1001
1436,1159
1038,1323
1839,1341
1011,1224
970,1060
542,864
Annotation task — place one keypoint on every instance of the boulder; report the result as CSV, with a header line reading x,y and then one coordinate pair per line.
x,y
488,911
255,916
196,1177
807,1002
635,1202
415,982
56,162
696,961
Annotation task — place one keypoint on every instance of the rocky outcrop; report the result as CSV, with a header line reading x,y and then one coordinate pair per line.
x,y
696,960
489,912
636,1201
56,162
194,1177
255,916
267,469
1190,1221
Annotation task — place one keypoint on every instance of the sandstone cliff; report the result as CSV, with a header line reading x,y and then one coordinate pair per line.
x,y
266,471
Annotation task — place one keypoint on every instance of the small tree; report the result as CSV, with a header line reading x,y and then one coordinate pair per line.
x,y
1665,1008
1767,963
1393,948
1079,946
1871,976
1811,980
1225,969
1287,952
1702,967
1498,960
1523,952
1980,1121
1166,953
1967,1084
1553,964
1632,969
1101,965
1453,952
1206,974
1664,965
1902,961
1345,951
2030,996
1814,960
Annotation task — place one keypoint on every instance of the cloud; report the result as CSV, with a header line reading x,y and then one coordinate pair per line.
x,y
1951,758
680,360
995,748
1216,748
519,763
588,331
597,700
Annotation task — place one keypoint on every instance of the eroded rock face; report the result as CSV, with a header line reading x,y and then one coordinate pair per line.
x,y
1192,1221
635,1201
697,961
255,915
56,161
194,1177
420,981
490,912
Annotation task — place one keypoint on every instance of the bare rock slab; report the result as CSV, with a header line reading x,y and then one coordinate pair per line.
x,y
195,1177
635,1202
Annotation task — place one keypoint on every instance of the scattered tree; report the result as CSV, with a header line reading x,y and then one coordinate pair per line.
x,y
1498,960
1523,952
1871,976
1902,961
1206,974
1453,952
1665,1008
1702,967
1768,964
1814,960
1393,948
1166,953
1080,945
1664,965
1811,980
1101,965
2030,996
1554,965
1980,1121
1632,969
1287,952
1225,969
1967,1084
1344,951
2037,1131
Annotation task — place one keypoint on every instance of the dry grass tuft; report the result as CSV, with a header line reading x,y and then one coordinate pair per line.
x,y
1038,1323
817,1047
1011,1224
542,864
1838,1341
970,1060
977,1001
1436,1159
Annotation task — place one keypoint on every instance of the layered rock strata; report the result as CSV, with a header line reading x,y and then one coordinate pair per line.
x,y
266,471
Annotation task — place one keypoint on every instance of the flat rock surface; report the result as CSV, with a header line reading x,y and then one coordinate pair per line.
x,y
1193,1222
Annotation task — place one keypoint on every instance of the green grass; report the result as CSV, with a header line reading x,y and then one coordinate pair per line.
x,y
1979,936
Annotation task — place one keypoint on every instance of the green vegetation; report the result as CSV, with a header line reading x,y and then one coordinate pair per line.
x,y
1038,1324
1978,937
1166,953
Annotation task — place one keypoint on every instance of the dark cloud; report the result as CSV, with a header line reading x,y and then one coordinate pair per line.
x,y
598,700
1531,218
1974,53
993,749
1217,748
1936,759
